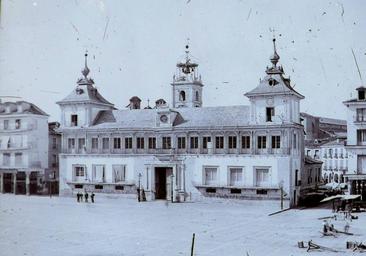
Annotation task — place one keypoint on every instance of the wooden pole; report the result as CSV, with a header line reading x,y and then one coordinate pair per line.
x,y
192,248
281,198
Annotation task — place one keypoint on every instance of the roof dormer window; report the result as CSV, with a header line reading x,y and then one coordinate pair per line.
x,y
272,82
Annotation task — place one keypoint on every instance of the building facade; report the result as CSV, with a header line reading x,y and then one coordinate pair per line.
x,y
24,147
54,148
186,150
356,143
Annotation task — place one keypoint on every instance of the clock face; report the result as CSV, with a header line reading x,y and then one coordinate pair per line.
x,y
163,118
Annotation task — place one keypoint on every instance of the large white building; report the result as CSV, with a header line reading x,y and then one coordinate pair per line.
x,y
23,147
356,143
185,149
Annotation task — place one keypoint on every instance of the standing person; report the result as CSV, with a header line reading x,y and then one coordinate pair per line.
x,y
92,197
78,196
86,196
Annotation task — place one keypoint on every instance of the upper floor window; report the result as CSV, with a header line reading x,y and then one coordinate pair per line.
x,y
262,141
116,143
79,171
205,141
98,173
105,143
167,143
232,141
236,176
18,158
194,142
81,143
245,142
276,141
219,142
140,142
6,124
6,159
181,142
294,145
119,173
361,114
361,136
210,175
17,124
71,143
128,143
197,96
270,112
74,120
54,143
94,143
152,142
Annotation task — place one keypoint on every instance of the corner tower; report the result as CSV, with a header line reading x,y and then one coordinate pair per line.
x,y
187,84
274,100
82,105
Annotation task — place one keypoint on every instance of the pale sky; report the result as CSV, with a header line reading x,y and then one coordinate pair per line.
x,y
134,46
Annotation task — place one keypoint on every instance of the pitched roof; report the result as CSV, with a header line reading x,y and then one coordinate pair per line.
x,y
85,93
281,86
20,107
188,117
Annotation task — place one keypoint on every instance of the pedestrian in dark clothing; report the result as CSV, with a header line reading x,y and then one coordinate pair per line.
x,y
92,197
86,197
78,197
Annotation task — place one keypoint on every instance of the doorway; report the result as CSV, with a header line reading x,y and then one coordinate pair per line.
x,y
162,182
8,182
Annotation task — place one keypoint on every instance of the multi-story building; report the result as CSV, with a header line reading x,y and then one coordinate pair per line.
x,y
54,148
356,143
24,147
186,149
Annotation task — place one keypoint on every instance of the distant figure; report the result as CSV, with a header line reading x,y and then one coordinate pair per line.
x,y
138,195
143,195
92,197
346,227
86,195
78,197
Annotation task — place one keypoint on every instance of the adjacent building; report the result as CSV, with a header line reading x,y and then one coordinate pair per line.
x,y
23,147
184,149
356,143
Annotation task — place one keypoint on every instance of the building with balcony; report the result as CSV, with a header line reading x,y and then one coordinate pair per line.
x,y
356,143
186,149
23,147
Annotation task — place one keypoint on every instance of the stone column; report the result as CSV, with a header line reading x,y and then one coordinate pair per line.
x,y
27,182
1,183
15,183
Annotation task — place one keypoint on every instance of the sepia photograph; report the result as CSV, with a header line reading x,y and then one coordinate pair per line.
x,y
182,127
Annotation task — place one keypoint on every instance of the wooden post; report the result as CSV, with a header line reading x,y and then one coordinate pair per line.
x,y
192,248
281,198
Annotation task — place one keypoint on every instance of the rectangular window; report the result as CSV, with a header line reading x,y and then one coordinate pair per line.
x,y
6,159
262,177
219,142
181,142
276,141
245,142
262,141
361,115
361,136
270,112
98,172
152,142
205,141
81,143
116,143
128,143
167,143
295,142
236,176
18,158
17,124
54,143
105,143
71,143
232,141
79,171
140,142
74,120
6,124
94,143
210,174
194,142
119,173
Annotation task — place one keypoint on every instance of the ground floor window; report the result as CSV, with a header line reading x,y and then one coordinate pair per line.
x,y
262,177
236,176
79,172
98,172
210,175
119,173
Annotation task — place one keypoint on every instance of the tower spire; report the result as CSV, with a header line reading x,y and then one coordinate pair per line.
x,y
275,57
86,70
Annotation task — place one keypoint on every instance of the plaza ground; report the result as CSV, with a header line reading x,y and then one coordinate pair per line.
x,y
32,225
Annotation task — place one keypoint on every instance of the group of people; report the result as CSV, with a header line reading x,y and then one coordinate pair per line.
x,y
79,197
